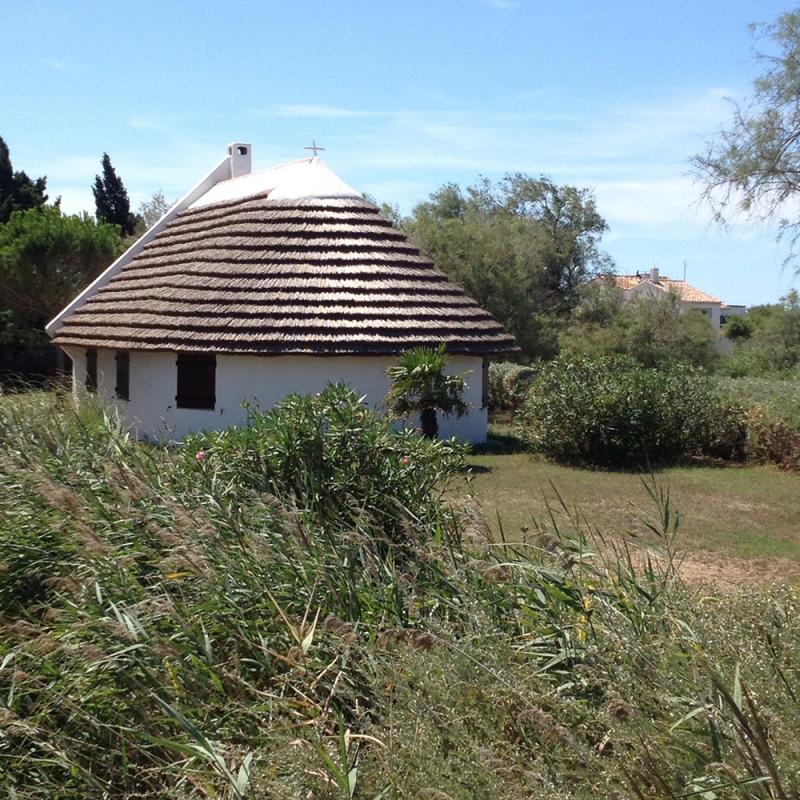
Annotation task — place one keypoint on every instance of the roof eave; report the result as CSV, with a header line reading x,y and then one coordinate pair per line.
x,y
477,350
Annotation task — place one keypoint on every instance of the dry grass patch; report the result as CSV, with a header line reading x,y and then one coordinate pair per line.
x,y
738,524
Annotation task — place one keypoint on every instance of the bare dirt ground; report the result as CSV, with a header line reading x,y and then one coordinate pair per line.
x,y
731,572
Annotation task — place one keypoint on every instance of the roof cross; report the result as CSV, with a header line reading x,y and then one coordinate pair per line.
x,y
313,147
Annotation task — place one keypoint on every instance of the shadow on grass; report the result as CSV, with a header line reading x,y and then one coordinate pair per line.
x,y
505,441
500,444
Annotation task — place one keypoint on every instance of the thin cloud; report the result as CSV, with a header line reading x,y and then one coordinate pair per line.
x,y
322,111
502,5
145,124
52,63
635,156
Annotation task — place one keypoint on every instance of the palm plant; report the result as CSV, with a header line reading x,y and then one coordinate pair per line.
x,y
419,385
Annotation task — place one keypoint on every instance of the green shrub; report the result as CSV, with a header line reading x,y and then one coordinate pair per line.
x,y
773,418
780,396
613,412
773,348
330,454
508,383
737,328
772,440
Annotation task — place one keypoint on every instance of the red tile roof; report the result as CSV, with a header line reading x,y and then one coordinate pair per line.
x,y
687,292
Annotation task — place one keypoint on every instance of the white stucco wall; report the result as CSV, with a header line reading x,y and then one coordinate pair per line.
x,y
263,381
711,310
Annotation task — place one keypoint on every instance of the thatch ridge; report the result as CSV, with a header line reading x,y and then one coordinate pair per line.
x,y
326,276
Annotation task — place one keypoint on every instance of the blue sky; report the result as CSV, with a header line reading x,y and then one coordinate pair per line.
x,y
405,96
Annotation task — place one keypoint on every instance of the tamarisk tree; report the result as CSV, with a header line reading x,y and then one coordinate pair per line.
x,y
752,168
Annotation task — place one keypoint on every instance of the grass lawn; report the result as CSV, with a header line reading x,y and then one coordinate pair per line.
x,y
736,520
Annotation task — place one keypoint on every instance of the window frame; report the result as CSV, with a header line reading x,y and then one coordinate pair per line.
x,y
194,369
122,386
90,380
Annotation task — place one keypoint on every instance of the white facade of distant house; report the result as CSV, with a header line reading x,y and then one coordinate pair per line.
x,y
712,310
152,412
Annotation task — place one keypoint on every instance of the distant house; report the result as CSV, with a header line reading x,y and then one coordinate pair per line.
x,y
651,285
258,284
731,311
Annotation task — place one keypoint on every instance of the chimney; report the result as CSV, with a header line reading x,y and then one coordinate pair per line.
x,y
240,155
654,274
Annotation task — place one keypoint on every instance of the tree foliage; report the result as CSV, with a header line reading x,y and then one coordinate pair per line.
x,y
17,191
773,346
656,332
521,247
753,166
420,385
111,199
151,211
46,257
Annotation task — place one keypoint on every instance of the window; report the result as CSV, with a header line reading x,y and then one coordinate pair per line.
x,y
91,370
196,380
123,375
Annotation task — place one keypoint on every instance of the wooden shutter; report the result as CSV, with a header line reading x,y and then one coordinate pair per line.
x,y
123,375
91,370
197,379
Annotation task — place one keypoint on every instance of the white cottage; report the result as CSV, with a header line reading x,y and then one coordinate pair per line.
x,y
257,285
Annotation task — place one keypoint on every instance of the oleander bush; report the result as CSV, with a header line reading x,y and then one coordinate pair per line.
x,y
611,411
328,454
248,616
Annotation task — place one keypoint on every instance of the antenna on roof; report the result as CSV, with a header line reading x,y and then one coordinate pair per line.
x,y
684,270
314,147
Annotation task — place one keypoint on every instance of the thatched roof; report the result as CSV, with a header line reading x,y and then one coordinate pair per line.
x,y
259,275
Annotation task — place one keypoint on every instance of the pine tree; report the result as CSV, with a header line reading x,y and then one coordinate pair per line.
x,y
17,191
111,199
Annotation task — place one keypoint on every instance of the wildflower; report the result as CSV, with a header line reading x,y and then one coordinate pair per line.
x,y
405,460
200,455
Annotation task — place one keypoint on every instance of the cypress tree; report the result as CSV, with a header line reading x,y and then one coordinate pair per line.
x,y
111,199
6,174
17,191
